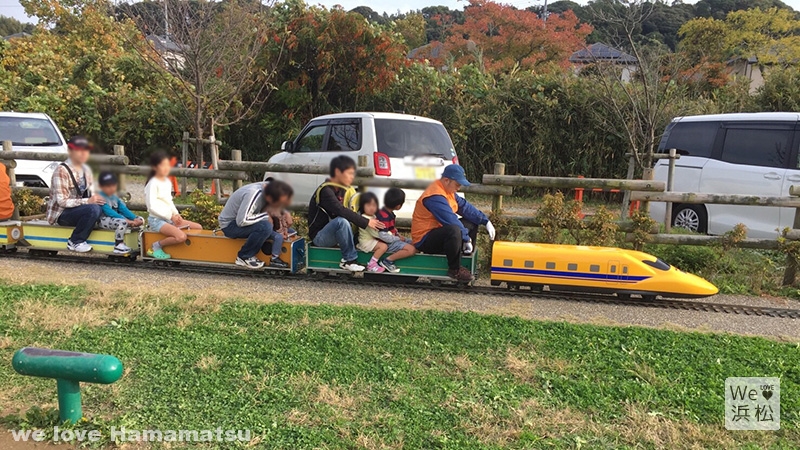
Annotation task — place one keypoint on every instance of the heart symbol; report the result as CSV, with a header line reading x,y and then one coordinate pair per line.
x,y
767,394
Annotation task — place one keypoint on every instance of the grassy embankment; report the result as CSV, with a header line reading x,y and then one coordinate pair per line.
x,y
344,377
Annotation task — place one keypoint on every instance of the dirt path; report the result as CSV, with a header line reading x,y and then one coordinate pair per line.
x,y
138,282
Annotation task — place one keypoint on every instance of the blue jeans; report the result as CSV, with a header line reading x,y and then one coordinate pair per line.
x,y
82,218
338,232
277,244
256,234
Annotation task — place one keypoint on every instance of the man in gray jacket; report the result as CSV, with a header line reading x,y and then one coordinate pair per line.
x,y
245,216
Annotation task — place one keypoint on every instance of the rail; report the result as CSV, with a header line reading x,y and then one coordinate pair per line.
x,y
497,185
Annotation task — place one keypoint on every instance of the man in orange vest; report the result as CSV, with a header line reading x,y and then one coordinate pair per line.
x,y
6,205
436,227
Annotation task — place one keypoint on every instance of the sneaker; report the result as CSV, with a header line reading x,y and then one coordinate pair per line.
x,y
276,263
352,266
158,254
250,263
83,247
462,274
389,266
374,267
121,248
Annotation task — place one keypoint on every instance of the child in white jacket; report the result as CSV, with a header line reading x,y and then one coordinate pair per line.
x,y
163,216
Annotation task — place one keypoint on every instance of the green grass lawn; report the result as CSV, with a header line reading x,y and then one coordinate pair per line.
x,y
345,377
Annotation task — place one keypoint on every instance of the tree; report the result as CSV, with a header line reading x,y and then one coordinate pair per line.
x,y
501,37
217,53
10,25
772,36
412,28
323,74
78,68
639,108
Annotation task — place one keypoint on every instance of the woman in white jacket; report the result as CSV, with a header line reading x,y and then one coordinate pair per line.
x,y
163,216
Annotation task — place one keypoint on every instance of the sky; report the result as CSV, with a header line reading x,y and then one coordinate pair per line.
x,y
12,8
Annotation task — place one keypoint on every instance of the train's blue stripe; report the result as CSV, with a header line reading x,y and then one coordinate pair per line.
x,y
64,240
3,236
574,275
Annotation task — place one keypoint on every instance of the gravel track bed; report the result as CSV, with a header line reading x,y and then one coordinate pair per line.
x,y
306,291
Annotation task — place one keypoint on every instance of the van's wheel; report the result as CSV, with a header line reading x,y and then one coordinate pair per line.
x,y
690,217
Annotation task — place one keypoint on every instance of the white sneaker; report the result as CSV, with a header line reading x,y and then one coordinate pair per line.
x,y
83,247
121,249
250,263
351,266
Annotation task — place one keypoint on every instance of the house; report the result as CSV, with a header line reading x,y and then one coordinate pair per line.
x,y
602,53
747,68
171,52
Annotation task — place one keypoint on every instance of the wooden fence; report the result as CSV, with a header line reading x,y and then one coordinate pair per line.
x,y
497,185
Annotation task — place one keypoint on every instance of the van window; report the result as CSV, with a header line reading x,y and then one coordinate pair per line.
x,y
401,138
312,140
345,136
757,147
23,131
694,138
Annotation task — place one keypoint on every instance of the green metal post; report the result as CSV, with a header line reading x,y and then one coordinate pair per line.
x,y
69,400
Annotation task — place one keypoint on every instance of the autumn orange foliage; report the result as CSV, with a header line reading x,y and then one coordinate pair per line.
x,y
500,37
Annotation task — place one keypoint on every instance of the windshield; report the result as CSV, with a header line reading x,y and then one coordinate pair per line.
x,y
24,131
401,138
657,264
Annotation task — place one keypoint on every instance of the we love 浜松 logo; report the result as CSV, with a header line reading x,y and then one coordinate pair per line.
x,y
752,403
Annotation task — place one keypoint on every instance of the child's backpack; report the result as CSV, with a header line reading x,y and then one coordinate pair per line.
x,y
351,196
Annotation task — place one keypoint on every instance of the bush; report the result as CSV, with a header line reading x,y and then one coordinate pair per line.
x,y
27,203
206,210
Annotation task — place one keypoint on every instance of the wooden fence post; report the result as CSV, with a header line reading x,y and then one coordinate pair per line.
x,y
647,174
184,159
215,183
119,150
236,155
497,200
670,182
12,176
626,196
790,273
363,161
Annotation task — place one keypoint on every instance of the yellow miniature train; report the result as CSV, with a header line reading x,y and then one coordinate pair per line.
x,y
515,264
592,269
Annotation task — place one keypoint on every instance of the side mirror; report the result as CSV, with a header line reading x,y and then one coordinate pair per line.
x,y
287,146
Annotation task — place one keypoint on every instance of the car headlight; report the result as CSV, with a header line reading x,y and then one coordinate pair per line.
x,y
51,167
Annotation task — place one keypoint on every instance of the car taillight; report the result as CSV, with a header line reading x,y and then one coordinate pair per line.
x,y
383,166
455,160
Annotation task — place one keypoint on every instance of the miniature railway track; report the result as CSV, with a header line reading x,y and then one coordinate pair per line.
x,y
674,304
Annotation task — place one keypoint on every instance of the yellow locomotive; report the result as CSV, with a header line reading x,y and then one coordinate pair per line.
x,y
592,269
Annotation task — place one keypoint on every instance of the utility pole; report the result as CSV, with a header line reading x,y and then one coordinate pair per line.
x,y
166,21
544,12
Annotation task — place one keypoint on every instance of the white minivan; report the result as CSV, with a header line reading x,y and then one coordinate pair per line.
x,y
397,145
749,154
32,132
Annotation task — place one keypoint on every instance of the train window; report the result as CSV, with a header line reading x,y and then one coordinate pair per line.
x,y
508,262
613,269
624,269
594,268
529,264
657,264
572,266
550,265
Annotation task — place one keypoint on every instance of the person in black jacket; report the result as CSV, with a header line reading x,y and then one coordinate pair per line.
x,y
329,220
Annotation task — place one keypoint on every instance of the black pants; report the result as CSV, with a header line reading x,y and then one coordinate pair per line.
x,y
447,241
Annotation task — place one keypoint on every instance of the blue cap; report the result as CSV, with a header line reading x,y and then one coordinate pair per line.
x,y
456,173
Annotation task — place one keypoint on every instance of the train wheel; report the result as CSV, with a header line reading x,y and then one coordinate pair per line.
x,y
624,296
437,283
512,286
649,298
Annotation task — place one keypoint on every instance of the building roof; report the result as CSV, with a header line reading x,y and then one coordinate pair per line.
x,y
601,52
164,44
21,34
433,50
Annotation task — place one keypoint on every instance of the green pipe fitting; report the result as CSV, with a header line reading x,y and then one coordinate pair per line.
x,y
69,369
